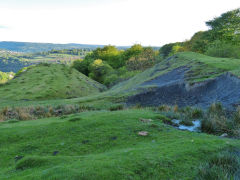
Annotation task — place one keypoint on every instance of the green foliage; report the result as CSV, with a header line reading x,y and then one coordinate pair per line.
x,y
116,65
171,49
109,54
82,65
99,69
223,49
222,40
134,51
226,27
143,60
198,42
4,77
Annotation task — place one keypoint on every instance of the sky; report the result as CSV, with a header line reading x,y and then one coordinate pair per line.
x,y
115,22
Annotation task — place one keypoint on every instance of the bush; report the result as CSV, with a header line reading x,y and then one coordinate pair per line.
x,y
110,80
217,109
224,50
164,108
214,124
116,107
99,69
196,113
29,113
192,113
82,65
222,166
215,120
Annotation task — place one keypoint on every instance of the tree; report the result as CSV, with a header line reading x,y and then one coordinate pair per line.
x,y
143,60
198,42
171,49
226,27
99,69
82,65
133,51
110,54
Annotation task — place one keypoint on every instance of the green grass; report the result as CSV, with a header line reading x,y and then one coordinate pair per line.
x,y
49,81
103,145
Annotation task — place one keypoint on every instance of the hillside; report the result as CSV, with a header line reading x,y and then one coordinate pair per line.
x,y
185,79
49,81
104,145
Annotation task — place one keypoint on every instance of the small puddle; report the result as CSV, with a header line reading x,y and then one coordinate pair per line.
x,y
194,128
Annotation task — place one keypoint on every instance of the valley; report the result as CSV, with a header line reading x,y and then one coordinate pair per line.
x,y
78,111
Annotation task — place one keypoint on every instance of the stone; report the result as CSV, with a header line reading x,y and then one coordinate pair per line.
x,y
146,120
143,133
224,135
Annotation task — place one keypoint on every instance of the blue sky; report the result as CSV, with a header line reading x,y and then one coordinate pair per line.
x,y
116,22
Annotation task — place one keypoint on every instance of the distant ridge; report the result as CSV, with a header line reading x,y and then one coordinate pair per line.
x,y
31,47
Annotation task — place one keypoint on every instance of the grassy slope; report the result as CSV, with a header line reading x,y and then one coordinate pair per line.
x,y
49,82
103,145
202,68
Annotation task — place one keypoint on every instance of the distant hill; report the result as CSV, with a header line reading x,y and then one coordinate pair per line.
x,y
28,47
49,81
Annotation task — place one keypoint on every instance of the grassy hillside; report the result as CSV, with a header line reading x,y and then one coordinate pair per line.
x,y
103,145
200,67
49,81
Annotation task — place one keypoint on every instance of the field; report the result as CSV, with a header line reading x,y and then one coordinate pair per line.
x,y
103,145
58,124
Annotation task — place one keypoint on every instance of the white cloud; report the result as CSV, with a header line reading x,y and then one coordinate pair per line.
x,y
150,22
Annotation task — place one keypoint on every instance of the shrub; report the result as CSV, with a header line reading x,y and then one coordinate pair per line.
x,y
192,113
23,114
222,166
164,108
224,50
28,113
82,65
215,124
111,80
99,69
116,107
196,113
217,109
